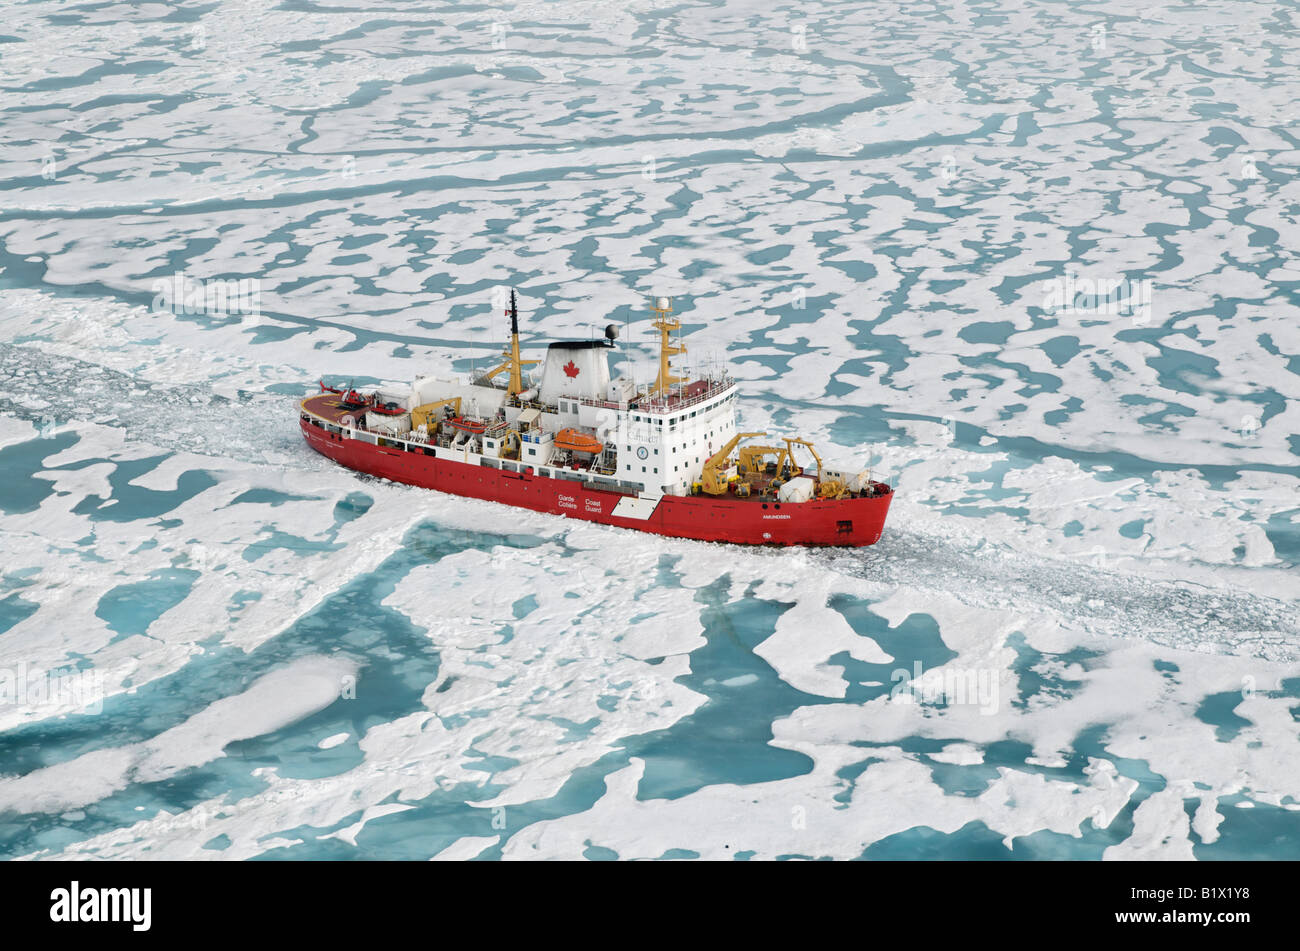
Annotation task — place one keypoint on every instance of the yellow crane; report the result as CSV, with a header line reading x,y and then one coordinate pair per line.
x,y
428,416
828,487
749,460
750,456
751,463
791,442
712,480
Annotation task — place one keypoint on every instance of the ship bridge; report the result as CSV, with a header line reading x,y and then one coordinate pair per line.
x,y
669,435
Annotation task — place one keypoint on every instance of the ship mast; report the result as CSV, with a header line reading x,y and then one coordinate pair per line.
x,y
511,353
666,325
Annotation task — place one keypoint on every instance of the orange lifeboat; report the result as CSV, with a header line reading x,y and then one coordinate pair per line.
x,y
577,441
468,424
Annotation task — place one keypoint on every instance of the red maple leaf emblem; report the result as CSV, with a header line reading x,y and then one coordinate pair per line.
x,y
571,369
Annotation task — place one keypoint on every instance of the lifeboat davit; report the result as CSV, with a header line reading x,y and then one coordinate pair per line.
x,y
576,441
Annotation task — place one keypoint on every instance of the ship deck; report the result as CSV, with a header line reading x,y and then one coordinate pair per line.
x,y
326,406
680,397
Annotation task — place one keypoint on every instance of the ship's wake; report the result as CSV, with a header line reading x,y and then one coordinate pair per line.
x,y
1093,597
55,393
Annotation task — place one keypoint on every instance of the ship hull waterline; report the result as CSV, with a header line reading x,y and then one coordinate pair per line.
x,y
847,522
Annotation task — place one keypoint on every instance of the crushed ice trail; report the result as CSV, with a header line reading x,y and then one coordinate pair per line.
x,y
1094,599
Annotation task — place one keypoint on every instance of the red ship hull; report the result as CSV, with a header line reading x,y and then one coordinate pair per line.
x,y
851,522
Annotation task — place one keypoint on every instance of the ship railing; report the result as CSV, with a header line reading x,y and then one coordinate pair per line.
x,y
531,404
603,404
664,404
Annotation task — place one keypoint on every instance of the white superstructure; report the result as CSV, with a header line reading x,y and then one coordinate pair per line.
x,y
653,442
665,441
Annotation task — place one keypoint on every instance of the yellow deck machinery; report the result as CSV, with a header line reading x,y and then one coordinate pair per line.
x,y
712,480
428,415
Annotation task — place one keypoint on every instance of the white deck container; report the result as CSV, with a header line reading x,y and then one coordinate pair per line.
x,y
798,489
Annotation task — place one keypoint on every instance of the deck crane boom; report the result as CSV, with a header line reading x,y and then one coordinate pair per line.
x,y
791,442
711,479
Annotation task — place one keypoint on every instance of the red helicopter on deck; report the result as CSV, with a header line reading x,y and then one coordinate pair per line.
x,y
352,398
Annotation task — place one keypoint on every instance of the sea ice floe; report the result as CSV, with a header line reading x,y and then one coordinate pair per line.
x,y
277,699
811,632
